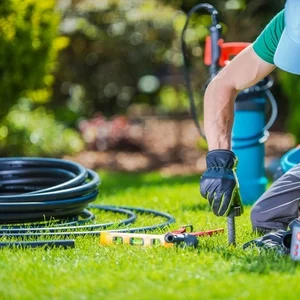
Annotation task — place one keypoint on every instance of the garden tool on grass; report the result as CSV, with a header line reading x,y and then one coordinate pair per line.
x,y
178,237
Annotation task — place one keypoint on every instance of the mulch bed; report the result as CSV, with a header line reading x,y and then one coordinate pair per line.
x,y
168,146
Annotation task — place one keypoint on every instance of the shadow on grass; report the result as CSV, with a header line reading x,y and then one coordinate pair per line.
x,y
265,263
114,182
254,261
197,207
257,261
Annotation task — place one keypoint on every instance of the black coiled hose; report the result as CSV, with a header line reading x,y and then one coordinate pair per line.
x,y
35,190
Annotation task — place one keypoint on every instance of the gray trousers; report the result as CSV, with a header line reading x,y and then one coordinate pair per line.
x,y
279,205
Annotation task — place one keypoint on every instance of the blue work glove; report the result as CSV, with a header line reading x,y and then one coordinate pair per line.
x,y
219,184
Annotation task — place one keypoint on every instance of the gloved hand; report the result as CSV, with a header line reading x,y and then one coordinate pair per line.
x,y
219,184
279,240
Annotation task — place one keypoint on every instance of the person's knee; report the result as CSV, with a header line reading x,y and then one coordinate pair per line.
x,y
264,222
256,221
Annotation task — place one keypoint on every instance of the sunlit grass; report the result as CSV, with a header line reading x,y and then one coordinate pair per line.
x,y
91,271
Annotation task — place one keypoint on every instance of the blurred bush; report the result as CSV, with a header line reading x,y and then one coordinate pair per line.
x,y
123,53
125,56
118,57
35,132
29,45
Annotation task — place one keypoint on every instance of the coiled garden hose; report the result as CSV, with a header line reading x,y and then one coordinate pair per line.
x,y
34,191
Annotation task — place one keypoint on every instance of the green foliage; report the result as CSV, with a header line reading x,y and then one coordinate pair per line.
x,y
90,271
173,99
202,144
115,46
27,132
29,46
291,89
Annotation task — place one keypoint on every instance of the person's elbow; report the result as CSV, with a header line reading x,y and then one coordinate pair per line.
x,y
221,87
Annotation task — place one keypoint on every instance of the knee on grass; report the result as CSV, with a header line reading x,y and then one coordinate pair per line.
x,y
261,222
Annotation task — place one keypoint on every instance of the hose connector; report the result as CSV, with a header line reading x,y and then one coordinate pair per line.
x,y
182,239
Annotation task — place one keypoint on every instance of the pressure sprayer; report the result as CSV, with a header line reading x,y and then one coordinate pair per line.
x,y
250,129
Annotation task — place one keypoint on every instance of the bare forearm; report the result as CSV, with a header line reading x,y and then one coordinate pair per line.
x,y
218,114
245,70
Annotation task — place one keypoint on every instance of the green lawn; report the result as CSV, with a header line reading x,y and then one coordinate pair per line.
x,y
91,271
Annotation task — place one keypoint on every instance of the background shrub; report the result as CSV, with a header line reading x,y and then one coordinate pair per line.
x,y
30,43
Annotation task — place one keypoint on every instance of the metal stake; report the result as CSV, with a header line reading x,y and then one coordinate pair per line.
x,y
235,212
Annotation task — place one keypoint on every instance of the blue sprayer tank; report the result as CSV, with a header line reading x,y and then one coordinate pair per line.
x,y
290,159
248,138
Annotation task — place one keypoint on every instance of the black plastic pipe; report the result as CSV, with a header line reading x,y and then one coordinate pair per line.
x,y
34,191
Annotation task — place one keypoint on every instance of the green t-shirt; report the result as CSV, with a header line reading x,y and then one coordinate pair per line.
x,y
266,43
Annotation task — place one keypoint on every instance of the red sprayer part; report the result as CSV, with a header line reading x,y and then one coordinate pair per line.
x,y
227,51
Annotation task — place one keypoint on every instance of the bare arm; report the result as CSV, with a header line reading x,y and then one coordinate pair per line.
x,y
245,70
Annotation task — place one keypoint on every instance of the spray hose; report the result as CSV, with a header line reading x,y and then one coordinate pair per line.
x,y
215,31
